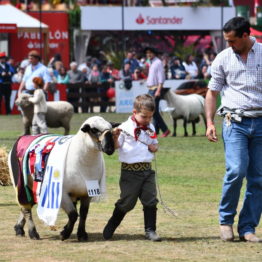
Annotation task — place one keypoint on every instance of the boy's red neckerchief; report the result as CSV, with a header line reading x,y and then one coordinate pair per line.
x,y
137,130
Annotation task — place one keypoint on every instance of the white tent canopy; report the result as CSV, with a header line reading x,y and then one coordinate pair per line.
x,y
11,15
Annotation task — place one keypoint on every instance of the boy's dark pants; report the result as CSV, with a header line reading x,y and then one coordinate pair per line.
x,y
134,185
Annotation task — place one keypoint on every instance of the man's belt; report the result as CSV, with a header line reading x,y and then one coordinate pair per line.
x,y
141,166
237,114
152,87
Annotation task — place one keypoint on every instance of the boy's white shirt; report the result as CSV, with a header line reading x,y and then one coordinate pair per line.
x,y
39,101
132,151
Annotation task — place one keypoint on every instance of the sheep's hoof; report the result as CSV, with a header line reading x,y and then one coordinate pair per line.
x,y
82,237
33,234
174,134
64,235
19,231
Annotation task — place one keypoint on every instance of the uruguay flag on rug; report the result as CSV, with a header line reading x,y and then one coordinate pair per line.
x,y
51,192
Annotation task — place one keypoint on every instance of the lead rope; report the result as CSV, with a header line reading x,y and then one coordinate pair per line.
x,y
165,207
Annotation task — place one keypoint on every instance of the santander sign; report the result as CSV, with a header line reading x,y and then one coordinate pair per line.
x,y
149,20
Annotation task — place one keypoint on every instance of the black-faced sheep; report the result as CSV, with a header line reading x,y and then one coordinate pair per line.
x,y
59,113
82,164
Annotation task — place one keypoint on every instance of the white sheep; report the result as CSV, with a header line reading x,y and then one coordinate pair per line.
x,y
59,113
83,162
186,107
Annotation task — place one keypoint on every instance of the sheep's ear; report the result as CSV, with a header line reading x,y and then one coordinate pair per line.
x,y
114,124
86,128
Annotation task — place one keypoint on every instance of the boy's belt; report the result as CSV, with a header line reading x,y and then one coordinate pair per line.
x,y
141,166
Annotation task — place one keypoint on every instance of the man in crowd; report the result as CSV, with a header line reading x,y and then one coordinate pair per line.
x,y
6,73
34,69
155,81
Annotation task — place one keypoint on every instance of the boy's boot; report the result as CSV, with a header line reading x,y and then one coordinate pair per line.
x,y
150,223
113,223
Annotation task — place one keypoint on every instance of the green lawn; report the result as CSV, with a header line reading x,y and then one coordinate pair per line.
x,y
189,174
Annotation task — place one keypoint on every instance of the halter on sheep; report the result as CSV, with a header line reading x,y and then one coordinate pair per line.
x,y
84,162
186,107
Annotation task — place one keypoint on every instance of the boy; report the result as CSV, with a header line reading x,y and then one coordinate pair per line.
x,y
40,108
137,143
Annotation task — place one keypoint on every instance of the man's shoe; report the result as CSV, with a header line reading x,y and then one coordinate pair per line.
x,y
152,235
165,134
250,238
226,233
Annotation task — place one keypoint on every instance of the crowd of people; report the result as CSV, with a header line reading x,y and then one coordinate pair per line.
x,y
135,67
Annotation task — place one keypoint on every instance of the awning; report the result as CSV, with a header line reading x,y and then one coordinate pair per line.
x,y
24,23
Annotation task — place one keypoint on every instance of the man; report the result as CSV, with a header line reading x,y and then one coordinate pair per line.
x,y
130,59
5,82
75,77
34,69
155,81
237,74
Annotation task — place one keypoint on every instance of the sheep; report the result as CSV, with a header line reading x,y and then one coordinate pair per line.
x,y
83,162
186,107
59,113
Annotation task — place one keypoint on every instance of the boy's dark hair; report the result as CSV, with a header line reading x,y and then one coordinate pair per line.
x,y
146,102
238,24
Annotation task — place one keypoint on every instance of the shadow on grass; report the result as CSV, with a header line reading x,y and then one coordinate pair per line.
x,y
98,237
8,204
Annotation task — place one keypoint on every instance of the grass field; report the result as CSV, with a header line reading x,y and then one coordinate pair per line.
x,y
189,171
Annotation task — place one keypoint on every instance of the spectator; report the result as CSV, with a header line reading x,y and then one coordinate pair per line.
x,y
205,65
165,61
113,71
94,80
11,62
75,76
6,73
191,67
85,67
177,69
52,75
132,61
18,76
126,75
138,75
54,59
94,76
63,77
35,68
106,81
56,67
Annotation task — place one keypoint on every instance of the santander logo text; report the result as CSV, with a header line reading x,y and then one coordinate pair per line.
x,y
149,20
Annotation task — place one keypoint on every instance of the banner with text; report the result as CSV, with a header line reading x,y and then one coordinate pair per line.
x,y
125,97
154,18
23,42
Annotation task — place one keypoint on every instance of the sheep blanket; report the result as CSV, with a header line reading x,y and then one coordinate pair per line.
x,y
42,157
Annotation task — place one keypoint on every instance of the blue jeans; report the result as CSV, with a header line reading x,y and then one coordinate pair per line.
x,y
243,153
157,118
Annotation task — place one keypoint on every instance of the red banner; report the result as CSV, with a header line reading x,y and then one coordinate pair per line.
x,y
8,28
23,42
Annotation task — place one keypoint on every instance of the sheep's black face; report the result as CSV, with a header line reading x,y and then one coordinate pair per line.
x,y
108,146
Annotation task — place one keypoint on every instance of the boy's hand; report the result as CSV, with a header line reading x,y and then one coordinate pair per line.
x,y
116,132
153,148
